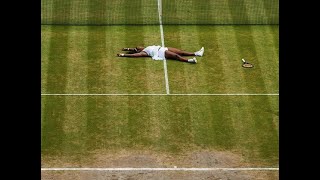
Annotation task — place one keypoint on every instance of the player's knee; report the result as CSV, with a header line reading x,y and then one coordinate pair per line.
x,y
138,48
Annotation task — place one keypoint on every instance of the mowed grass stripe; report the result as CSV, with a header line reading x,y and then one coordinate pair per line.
x,y
230,58
195,74
202,118
210,74
274,103
45,55
264,120
52,134
158,113
117,123
136,67
139,122
213,123
95,125
74,124
96,81
267,57
58,55
176,131
116,120
77,60
275,33
222,125
115,75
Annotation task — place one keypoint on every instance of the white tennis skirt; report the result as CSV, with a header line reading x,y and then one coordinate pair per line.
x,y
160,54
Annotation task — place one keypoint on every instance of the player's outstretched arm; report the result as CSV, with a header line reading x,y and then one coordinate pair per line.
x,y
140,54
129,49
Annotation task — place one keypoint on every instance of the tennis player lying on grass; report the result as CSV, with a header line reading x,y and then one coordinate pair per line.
x,y
160,53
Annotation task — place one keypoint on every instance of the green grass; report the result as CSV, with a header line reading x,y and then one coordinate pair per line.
x,y
99,12
87,62
106,12
219,70
220,12
82,59
78,126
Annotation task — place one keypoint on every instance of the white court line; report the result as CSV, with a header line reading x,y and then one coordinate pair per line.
x,y
162,43
159,169
159,94
224,94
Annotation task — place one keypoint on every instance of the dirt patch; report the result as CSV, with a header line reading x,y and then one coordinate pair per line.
x,y
154,159
143,159
138,159
167,175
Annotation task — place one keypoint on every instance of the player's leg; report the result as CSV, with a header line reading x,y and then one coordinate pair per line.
x,y
175,56
186,53
180,52
140,54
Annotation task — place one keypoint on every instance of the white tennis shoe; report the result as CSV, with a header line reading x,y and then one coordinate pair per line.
x,y
193,60
200,52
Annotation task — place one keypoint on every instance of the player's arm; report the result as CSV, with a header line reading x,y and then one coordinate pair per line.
x,y
129,49
140,54
136,49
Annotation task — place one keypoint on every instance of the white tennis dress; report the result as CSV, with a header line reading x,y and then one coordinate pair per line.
x,y
156,52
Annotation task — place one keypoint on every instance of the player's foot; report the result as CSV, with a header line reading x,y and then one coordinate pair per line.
x,y
120,55
193,60
200,52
